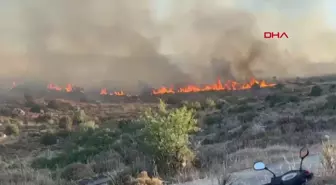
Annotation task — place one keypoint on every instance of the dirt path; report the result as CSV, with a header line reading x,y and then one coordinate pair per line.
x,y
251,177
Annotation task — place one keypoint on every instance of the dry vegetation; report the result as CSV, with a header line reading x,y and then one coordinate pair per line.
x,y
62,142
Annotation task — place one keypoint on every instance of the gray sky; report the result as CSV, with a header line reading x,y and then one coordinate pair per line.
x,y
163,7
11,21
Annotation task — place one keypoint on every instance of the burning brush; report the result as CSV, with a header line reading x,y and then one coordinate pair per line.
x,y
229,85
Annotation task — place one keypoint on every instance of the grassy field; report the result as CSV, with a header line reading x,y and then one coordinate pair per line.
x,y
62,142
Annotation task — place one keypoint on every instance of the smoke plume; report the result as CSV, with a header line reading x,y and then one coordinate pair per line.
x,y
121,44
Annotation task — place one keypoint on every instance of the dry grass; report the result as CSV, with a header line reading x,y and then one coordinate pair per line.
x,y
329,158
253,131
28,176
144,179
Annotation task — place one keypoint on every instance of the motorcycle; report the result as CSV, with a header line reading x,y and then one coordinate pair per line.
x,y
292,177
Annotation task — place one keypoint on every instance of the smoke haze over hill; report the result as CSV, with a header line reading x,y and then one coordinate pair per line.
x,y
120,42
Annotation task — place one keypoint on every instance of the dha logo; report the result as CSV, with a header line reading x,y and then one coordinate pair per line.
x,y
272,35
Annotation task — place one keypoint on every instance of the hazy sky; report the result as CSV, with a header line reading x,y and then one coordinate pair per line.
x,y
162,7
10,14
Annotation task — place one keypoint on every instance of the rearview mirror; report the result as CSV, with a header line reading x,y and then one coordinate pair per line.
x,y
259,166
304,152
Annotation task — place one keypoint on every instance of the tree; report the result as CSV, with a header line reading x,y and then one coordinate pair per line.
x,y
167,135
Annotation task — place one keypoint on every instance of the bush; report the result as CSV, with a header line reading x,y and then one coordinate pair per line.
x,y
12,129
79,116
59,105
36,108
210,103
332,87
240,108
44,118
167,135
278,98
331,102
76,171
65,123
29,100
316,91
213,119
48,138
329,157
247,116
144,179
196,105
89,125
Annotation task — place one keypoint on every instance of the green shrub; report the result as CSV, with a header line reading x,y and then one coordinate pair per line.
x,y
65,123
82,147
293,99
316,91
79,116
195,105
76,171
279,98
167,135
48,138
89,125
247,116
44,118
12,129
173,100
36,108
184,103
240,108
210,103
331,102
213,119
59,105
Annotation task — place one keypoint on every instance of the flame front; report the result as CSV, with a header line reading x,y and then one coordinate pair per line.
x,y
68,88
104,91
218,86
229,85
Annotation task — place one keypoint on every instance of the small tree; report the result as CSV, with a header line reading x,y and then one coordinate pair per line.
x,y
167,135
210,103
12,129
79,117
88,125
48,138
316,91
65,123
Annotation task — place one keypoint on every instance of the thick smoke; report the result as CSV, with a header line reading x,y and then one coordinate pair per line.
x,y
230,37
120,44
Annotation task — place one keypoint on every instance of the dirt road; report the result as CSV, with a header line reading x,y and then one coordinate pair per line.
x,y
251,177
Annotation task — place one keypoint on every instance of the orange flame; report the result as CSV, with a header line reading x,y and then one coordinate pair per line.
x,y
103,91
54,87
229,85
68,88
13,85
219,86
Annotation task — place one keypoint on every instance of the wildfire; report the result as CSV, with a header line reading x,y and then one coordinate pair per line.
x,y
13,85
67,88
54,87
103,91
218,86
229,85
